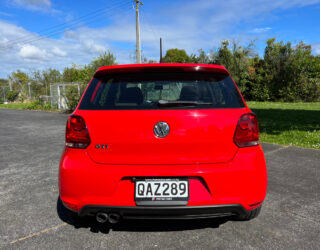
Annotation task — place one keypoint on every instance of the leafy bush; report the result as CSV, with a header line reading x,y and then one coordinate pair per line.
x,y
72,97
46,106
33,105
12,95
176,56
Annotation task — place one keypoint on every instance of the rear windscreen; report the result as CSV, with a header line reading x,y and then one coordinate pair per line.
x,y
161,90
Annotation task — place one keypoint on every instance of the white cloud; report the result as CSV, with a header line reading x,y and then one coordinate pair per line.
x,y
261,30
316,48
44,53
5,14
44,6
33,53
83,37
11,31
33,3
93,47
58,52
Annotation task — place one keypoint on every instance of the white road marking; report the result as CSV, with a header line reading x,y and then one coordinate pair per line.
x,y
276,150
38,233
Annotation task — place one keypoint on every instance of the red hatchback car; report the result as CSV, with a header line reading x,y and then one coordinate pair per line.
x,y
162,141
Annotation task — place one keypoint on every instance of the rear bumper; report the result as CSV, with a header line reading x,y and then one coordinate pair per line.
x,y
243,180
178,212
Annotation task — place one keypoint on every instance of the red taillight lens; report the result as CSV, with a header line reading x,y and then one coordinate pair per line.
x,y
77,134
247,131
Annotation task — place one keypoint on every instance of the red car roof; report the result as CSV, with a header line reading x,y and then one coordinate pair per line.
x,y
154,66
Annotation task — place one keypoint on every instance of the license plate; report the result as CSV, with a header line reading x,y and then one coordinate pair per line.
x,y
170,189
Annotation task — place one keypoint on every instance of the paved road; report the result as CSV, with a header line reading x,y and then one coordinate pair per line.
x,y
30,147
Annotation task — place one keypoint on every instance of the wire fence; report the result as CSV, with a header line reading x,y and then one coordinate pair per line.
x,y
4,91
62,95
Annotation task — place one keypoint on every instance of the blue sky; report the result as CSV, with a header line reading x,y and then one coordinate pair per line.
x,y
38,34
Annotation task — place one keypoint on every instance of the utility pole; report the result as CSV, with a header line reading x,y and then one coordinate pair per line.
x,y
160,50
29,83
138,49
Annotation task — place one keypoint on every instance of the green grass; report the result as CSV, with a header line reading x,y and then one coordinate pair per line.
x,y
289,123
13,106
30,105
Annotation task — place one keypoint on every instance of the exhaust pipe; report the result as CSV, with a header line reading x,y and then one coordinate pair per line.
x,y
101,217
114,218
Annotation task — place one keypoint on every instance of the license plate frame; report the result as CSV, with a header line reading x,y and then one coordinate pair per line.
x,y
153,198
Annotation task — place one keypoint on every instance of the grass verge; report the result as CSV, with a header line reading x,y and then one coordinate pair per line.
x,y
295,124
13,106
29,105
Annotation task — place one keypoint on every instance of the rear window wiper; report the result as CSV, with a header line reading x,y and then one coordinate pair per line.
x,y
164,103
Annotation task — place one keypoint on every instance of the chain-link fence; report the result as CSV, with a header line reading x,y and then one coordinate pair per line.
x,y
64,96
4,91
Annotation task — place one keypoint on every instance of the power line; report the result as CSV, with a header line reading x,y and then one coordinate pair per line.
x,y
74,24
59,31
63,25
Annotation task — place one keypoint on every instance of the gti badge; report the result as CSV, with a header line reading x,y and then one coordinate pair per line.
x,y
101,146
161,129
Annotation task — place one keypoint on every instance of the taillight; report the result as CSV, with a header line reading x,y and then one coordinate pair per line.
x,y
77,134
247,131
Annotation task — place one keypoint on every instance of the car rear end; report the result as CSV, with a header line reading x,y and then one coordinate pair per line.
x,y
162,141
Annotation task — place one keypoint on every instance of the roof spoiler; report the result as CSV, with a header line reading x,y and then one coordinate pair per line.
x,y
158,67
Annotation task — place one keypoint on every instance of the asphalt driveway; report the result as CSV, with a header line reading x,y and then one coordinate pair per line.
x,y
30,146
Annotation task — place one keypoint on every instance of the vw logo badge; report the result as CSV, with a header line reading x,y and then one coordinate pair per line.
x,y
161,129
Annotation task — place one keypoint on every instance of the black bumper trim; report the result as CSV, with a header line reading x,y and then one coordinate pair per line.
x,y
168,212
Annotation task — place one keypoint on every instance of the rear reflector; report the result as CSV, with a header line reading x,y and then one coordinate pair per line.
x,y
255,204
77,134
247,131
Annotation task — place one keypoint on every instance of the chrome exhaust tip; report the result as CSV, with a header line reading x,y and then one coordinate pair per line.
x,y
102,217
114,218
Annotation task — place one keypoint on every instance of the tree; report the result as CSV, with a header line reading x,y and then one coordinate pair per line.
x,y
236,60
45,78
257,87
305,71
105,59
72,97
51,76
176,56
75,73
3,82
224,56
20,82
202,57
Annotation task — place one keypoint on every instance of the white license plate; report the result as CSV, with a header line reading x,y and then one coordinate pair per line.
x,y
153,189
